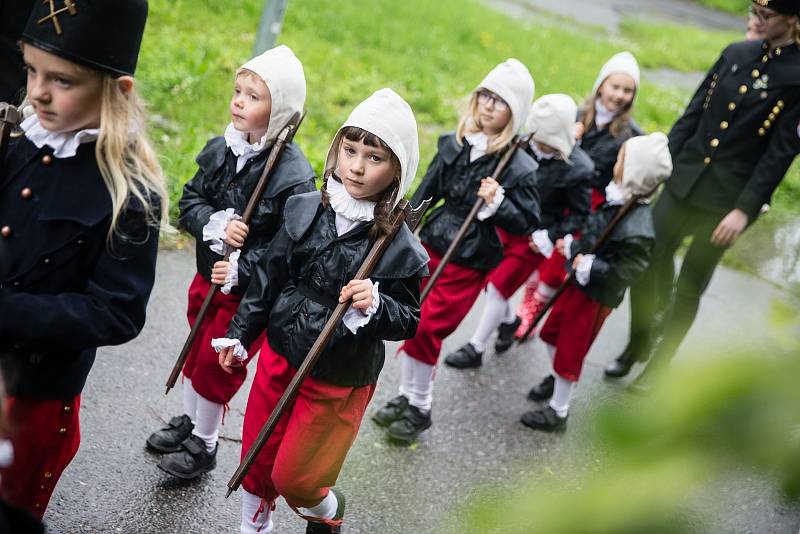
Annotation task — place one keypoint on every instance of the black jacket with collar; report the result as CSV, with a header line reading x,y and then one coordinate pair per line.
x,y
453,178
217,186
565,191
603,148
625,254
66,290
738,136
296,285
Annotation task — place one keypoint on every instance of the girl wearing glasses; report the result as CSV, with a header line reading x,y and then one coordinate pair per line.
x,y
458,176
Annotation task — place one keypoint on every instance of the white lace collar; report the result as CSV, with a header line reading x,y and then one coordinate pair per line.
x,y
602,117
241,148
345,205
539,154
64,145
478,143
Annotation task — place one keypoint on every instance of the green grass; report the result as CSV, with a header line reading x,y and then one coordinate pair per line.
x,y
737,7
432,53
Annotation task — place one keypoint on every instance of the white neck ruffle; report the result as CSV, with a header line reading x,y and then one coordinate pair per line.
x,y
478,143
602,117
240,146
347,207
539,154
64,145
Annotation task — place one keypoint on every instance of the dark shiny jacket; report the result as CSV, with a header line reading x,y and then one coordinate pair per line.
x,y
603,148
297,282
67,291
217,186
735,141
622,258
565,191
453,178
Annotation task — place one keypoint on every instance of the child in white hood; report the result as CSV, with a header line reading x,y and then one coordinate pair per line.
x,y
309,268
601,278
459,175
268,90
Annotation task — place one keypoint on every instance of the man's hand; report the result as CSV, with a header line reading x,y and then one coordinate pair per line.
x,y
729,228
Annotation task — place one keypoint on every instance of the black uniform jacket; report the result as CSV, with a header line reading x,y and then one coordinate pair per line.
x,y
453,178
217,186
603,148
738,135
296,285
622,258
566,193
66,291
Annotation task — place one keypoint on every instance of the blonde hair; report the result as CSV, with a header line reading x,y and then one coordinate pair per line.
x,y
470,123
126,159
621,125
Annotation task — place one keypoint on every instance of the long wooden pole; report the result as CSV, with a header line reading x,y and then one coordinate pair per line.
x,y
284,138
405,215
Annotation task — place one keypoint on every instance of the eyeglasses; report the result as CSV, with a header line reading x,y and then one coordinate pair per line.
x,y
760,15
484,97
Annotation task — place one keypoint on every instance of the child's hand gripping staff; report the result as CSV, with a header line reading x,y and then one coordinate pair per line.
x,y
237,235
9,119
488,186
354,293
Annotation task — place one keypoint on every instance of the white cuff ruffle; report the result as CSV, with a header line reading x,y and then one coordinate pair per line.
x,y
232,278
584,269
568,239
542,241
355,318
214,230
239,352
490,209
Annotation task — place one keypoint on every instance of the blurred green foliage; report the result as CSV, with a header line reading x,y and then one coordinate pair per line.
x,y
737,7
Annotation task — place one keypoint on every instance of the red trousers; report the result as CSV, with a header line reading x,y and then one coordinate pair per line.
x,y
447,304
572,326
553,270
304,455
598,197
202,365
519,263
45,435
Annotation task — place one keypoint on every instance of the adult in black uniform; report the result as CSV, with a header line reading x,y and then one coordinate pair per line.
x,y
731,148
13,15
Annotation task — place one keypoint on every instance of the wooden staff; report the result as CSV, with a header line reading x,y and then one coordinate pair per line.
x,y
405,214
9,119
498,170
623,211
284,138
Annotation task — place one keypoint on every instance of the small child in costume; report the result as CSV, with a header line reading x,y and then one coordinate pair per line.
x,y
308,269
600,278
268,90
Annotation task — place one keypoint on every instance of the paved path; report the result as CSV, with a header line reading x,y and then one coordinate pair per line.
x,y
114,486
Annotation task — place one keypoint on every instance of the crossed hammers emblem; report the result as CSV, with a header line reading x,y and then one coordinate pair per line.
x,y
69,6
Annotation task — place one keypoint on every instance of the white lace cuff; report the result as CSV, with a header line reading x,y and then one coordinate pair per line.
x,y
239,352
490,209
584,269
542,241
232,278
568,239
355,318
6,453
214,230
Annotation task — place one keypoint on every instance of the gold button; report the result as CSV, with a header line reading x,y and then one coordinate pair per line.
x,y
762,132
67,408
5,231
732,106
780,104
47,261
47,159
764,59
43,487
723,125
776,110
767,124
26,193
48,474
714,143
771,116
742,89
715,76
37,506
713,84
706,160
62,430
778,51
755,73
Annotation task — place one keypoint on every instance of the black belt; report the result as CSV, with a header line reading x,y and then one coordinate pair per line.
x,y
316,296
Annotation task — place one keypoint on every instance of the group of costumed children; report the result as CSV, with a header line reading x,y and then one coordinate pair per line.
x,y
297,258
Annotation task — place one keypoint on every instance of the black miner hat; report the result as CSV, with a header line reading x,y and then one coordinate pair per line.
x,y
785,7
102,34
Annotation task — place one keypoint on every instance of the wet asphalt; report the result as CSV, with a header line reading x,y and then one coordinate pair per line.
x,y
476,441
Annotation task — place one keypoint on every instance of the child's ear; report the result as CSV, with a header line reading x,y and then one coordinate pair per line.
x,y
125,84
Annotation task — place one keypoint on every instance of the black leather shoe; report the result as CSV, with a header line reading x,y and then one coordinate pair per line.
x,y
505,335
412,423
622,365
465,358
191,461
391,411
544,419
544,390
333,525
169,438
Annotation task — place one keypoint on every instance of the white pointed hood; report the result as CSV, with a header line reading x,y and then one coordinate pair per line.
x,y
647,164
386,115
511,81
622,63
552,122
283,73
